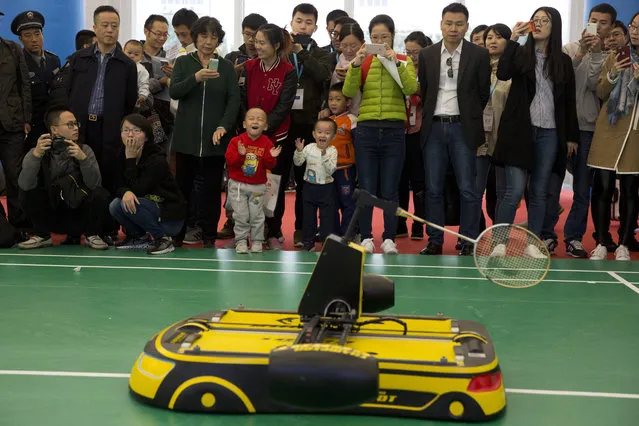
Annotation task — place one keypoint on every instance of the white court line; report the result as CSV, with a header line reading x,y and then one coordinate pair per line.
x,y
284,262
624,282
241,271
544,392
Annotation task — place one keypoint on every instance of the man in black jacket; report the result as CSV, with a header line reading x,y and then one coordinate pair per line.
x,y
455,85
15,123
102,91
313,66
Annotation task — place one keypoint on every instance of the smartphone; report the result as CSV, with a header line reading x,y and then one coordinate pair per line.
x,y
213,63
375,49
623,53
531,27
302,39
591,28
241,59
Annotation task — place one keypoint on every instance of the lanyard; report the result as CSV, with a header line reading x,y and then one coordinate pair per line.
x,y
298,68
492,90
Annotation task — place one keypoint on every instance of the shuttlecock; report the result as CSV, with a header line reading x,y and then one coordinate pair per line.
x,y
77,269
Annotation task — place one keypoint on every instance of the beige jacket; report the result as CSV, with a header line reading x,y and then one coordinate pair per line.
x,y
615,148
497,102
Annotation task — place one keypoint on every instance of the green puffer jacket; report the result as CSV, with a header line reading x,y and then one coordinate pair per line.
x,y
196,121
382,97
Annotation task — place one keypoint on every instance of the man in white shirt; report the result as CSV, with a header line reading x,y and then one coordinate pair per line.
x,y
455,87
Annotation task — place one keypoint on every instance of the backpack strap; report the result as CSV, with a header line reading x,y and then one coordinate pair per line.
x,y
366,66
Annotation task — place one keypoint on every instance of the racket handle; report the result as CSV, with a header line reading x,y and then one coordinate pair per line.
x,y
404,213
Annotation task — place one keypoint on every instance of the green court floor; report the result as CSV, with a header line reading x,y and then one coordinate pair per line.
x,y
73,321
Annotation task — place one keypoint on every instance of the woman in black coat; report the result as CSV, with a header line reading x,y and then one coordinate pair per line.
x,y
539,127
148,200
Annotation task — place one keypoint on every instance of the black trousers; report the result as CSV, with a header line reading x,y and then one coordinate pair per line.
x,y
187,167
322,198
91,218
283,168
11,154
602,191
413,177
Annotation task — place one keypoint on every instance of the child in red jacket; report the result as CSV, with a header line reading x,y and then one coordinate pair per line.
x,y
248,156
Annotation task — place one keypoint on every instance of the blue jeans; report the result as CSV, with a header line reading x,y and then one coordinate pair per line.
x,y
577,221
145,219
344,187
553,206
379,155
446,144
515,178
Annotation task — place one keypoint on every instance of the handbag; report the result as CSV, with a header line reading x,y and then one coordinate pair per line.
x,y
69,190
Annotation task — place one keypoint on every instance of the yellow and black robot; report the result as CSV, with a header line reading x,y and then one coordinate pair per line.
x,y
336,354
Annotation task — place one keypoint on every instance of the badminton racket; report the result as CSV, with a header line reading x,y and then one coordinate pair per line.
x,y
505,254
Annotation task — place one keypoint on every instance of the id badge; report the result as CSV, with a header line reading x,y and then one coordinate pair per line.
x,y
242,81
412,120
489,116
299,99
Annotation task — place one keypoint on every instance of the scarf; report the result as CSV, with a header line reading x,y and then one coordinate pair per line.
x,y
622,97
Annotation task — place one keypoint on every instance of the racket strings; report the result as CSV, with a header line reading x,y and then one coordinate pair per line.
x,y
511,256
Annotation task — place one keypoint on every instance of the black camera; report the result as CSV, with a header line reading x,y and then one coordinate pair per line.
x,y
303,39
58,145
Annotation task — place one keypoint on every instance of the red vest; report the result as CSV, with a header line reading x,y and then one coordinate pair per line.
x,y
263,89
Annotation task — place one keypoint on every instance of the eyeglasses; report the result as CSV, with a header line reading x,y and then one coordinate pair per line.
x,y
71,125
134,131
633,28
248,35
539,22
449,62
159,34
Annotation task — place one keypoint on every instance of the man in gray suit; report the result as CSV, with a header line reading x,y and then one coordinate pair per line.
x,y
454,77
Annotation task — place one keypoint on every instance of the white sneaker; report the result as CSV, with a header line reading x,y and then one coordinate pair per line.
x,y
241,247
533,252
622,253
389,247
257,246
499,251
368,245
599,253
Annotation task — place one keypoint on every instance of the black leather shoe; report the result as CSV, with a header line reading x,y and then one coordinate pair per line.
x,y
431,249
466,250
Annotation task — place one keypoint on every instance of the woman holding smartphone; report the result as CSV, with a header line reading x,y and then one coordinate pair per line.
x,y
380,138
539,127
209,101
615,146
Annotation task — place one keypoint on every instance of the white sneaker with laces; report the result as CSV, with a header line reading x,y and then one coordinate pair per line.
x,y
533,252
257,246
622,253
599,253
389,247
368,245
241,247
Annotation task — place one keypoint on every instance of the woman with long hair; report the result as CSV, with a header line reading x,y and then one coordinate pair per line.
x,y
539,127
615,146
495,39
271,84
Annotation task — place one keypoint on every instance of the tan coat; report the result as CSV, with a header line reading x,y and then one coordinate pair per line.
x,y
615,148
497,102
